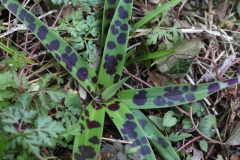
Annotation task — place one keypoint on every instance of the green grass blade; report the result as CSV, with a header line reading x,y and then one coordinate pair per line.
x,y
154,13
111,91
159,141
64,54
161,97
87,145
10,51
116,43
149,56
129,127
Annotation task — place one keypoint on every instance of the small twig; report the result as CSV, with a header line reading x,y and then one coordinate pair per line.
x,y
205,137
138,79
115,140
189,142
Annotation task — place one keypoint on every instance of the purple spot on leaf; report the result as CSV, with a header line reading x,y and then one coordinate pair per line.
x,y
82,73
136,143
117,23
170,103
190,97
140,98
121,39
85,152
100,86
82,117
231,81
122,13
213,87
128,129
88,88
143,123
86,112
144,140
193,88
13,8
42,32
129,116
128,1
32,27
109,13
58,57
116,78
110,64
159,101
68,50
119,57
145,150
185,88
162,142
93,124
94,140
70,60
124,27
174,94
94,79
114,30
111,1
114,107
111,45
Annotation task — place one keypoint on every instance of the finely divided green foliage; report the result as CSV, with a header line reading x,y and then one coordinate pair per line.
x,y
117,13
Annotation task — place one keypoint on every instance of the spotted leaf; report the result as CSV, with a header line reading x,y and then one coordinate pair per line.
x,y
161,143
161,97
129,127
87,144
60,50
119,13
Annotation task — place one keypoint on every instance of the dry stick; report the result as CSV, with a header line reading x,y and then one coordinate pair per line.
x,y
138,79
115,140
211,140
189,142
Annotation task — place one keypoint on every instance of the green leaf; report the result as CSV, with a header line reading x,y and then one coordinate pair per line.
x,y
187,124
6,81
162,97
88,143
169,120
203,145
129,128
154,13
234,138
149,56
25,100
207,125
159,141
113,57
177,136
177,64
111,91
158,121
72,100
48,129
